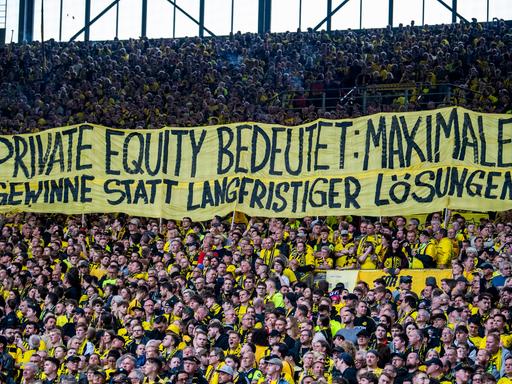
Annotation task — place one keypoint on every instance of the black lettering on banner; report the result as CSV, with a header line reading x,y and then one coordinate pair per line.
x,y
343,138
258,193
256,146
43,159
310,130
442,189
319,146
139,152
9,150
165,152
14,194
352,194
224,150
111,187
468,130
20,150
295,194
240,149
457,183
109,152
281,204
378,192
507,187
62,190
140,193
190,199
148,149
57,155
399,191
71,146
490,186
243,189
376,138
333,194
502,141
81,147
410,140
395,141
429,137
270,194
179,133
275,150
207,200
300,150
220,191
196,148
33,156
232,190
320,193
474,189
483,143
428,195
85,190
448,128
32,194
169,185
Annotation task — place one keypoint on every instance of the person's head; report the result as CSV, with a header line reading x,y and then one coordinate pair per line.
x,y
136,376
420,378
50,367
225,374
128,362
152,367
462,373
385,378
412,360
372,359
30,371
190,364
274,367
492,343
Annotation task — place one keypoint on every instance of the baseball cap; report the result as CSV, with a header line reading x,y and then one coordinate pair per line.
x,y
487,266
405,279
465,367
275,361
226,369
347,358
435,361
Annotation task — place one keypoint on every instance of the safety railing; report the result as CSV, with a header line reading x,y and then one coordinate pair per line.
x,y
403,95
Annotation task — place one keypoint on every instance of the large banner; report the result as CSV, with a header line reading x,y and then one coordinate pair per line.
x,y
350,278
383,164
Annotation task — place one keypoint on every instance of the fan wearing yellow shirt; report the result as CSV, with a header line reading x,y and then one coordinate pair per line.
x,y
345,252
370,237
323,259
268,252
368,259
426,251
507,379
301,260
444,249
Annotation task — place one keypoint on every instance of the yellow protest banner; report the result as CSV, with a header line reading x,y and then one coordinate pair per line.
x,y
378,165
418,277
350,278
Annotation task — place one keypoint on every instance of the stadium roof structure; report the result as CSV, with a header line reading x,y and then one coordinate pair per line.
x,y
63,20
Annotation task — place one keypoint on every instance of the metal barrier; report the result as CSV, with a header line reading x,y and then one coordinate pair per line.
x,y
401,95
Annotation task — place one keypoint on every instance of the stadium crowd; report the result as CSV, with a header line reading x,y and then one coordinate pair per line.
x,y
275,78
118,299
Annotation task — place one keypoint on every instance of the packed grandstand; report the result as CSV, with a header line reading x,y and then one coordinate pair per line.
x,y
118,298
